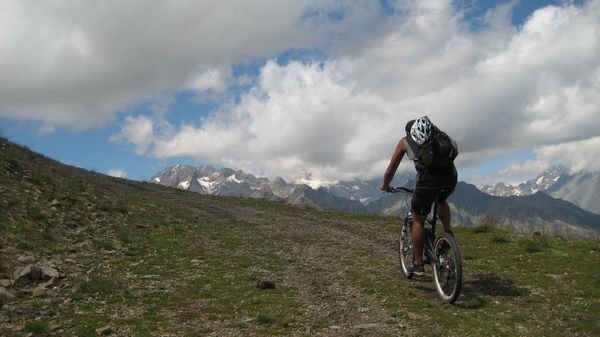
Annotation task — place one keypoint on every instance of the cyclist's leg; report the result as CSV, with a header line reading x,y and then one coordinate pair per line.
x,y
444,214
421,202
442,206
418,238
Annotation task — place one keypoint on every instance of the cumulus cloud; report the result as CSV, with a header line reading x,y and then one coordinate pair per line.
x,y
138,131
577,156
119,173
495,90
77,63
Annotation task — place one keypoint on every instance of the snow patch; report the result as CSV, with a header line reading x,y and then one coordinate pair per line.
x,y
539,180
208,185
184,184
157,180
232,178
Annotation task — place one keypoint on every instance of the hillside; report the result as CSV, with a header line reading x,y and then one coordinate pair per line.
x,y
121,258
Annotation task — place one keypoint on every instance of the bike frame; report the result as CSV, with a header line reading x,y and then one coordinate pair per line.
x,y
441,263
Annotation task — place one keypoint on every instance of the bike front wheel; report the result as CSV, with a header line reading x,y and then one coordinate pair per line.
x,y
405,253
447,268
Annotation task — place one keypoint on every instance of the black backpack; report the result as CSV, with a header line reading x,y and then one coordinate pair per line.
x,y
440,151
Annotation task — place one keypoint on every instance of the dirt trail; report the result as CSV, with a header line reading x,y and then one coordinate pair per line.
x,y
320,281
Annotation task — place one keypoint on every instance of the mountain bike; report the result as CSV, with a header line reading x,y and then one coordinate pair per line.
x,y
440,251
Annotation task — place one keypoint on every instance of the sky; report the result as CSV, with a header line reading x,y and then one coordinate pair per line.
x,y
297,89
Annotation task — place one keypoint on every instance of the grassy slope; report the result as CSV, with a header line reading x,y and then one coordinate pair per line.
x,y
152,261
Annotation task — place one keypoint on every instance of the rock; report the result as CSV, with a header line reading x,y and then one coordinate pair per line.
x,y
262,284
7,268
39,291
5,283
54,202
34,274
368,326
25,259
105,330
6,293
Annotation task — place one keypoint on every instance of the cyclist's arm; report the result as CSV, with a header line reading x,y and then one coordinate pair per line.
x,y
393,166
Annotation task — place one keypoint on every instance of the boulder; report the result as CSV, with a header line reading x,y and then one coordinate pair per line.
x,y
7,268
5,293
35,274
25,259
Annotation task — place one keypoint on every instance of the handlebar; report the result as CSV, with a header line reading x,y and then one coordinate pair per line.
x,y
398,189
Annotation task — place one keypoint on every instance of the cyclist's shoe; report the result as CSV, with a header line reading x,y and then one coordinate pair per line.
x,y
418,270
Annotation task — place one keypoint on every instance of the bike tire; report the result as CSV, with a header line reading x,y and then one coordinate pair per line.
x,y
405,253
447,269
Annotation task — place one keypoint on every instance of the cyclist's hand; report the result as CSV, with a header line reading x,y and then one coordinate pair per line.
x,y
386,188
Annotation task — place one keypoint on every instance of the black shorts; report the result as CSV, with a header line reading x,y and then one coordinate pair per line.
x,y
424,196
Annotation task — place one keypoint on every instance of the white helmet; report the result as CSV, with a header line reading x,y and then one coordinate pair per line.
x,y
421,130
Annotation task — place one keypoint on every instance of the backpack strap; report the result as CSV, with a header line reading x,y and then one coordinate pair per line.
x,y
411,148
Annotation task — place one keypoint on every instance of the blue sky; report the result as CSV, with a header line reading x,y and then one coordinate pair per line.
x,y
321,89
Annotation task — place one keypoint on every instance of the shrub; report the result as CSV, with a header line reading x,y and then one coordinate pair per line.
x,y
483,228
37,327
499,239
101,285
264,319
36,215
535,244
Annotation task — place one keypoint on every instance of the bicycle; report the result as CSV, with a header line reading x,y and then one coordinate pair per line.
x,y
440,251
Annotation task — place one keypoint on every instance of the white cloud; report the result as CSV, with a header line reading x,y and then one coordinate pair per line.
x,y
138,131
215,80
499,89
578,156
119,173
77,63
496,90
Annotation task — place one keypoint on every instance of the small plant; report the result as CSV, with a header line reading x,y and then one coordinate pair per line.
x,y
264,319
104,244
535,244
37,327
100,285
483,228
125,234
36,215
499,239
596,246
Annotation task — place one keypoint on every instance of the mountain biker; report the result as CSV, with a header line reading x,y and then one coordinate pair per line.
x,y
434,184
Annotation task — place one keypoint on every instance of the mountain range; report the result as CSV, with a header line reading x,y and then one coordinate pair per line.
x,y
528,212
582,189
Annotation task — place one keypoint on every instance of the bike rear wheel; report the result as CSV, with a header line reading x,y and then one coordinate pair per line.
x,y
447,269
405,253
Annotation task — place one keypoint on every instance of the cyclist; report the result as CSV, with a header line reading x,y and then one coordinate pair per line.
x,y
433,185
